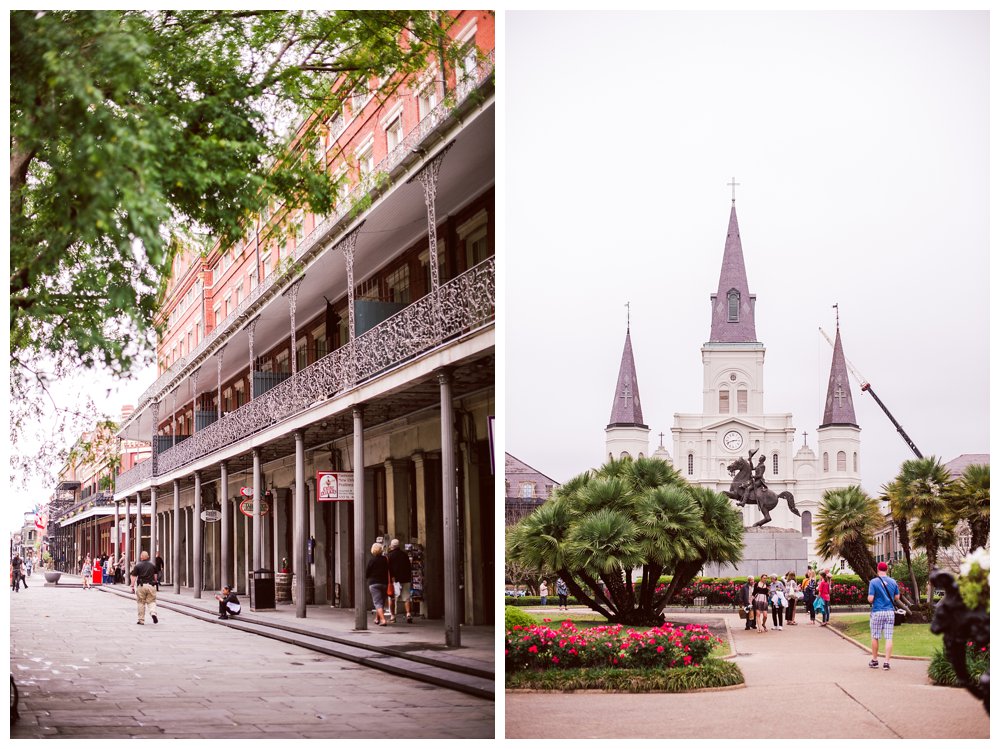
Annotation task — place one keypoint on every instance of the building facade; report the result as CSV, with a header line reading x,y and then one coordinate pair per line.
x,y
361,344
526,489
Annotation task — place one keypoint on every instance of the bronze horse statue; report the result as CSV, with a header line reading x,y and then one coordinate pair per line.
x,y
764,498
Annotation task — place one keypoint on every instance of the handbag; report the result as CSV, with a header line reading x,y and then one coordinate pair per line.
x,y
743,613
900,614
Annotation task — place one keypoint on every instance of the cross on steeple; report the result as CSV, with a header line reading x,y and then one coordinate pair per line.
x,y
805,439
628,317
627,393
734,184
839,394
661,439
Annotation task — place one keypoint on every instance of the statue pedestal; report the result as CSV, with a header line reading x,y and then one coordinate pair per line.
x,y
769,551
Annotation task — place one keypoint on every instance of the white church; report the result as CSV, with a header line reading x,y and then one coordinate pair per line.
x,y
733,421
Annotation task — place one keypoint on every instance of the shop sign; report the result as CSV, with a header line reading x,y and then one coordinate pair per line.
x,y
246,507
213,516
335,486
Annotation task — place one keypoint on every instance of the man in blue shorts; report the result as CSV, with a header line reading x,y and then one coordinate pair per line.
x,y
883,595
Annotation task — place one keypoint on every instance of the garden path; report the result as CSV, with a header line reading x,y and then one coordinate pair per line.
x,y
801,668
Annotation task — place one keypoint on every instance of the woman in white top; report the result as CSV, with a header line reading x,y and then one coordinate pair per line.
x,y
792,592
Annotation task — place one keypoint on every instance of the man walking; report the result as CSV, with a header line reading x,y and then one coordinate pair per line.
x,y
143,578
15,573
746,601
159,569
883,595
402,575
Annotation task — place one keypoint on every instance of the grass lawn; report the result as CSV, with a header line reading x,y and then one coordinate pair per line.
x,y
910,639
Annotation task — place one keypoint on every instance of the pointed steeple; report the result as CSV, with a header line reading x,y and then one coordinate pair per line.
x,y
733,304
839,403
626,410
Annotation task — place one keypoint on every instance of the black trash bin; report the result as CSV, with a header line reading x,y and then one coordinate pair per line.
x,y
261,590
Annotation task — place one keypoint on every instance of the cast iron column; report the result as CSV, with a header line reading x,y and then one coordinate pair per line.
x,y
154,536
256,509
117,532
449,519
197,562
299,529
361,549
227,557
128,534
176,573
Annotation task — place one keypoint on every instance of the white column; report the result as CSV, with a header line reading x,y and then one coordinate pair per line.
x,y
360,532
128,535
225,552
176,572
452,628
299,527
257,488
198,561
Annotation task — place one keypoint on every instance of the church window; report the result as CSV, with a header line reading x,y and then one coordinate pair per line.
x,y
527,489
826,462
774,464
855,462
841,461
624,455
741,401
734,305
690,464
807,523
724,400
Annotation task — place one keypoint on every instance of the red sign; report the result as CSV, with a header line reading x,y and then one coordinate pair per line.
x,y
246,507
335,486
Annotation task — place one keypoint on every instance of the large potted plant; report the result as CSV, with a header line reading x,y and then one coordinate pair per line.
x,y
51,574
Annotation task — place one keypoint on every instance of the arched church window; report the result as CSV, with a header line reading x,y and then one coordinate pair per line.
x,y
527,489
841,460
855,462
624,455
826,462
741,401
690,464
723,400
807,523
774,464
734,305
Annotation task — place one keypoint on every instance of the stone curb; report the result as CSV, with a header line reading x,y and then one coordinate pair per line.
x,y
620,691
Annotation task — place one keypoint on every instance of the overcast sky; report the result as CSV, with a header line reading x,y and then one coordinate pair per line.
x,y
860,144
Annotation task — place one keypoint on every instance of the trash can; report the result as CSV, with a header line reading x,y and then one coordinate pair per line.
x,y
261,590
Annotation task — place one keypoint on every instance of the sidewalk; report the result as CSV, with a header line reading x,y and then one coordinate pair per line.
x,y
85,669
788,673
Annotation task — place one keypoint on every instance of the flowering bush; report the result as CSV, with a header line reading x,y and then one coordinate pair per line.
x,y
977,660
974,580
667,646
726,592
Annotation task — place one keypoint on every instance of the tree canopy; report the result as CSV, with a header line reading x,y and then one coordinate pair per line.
x,y
134,131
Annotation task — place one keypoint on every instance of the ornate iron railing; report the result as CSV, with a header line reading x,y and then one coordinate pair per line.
x,y
310,246
134,475
464,304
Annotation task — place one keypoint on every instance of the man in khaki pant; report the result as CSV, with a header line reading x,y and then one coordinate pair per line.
x,y
144,573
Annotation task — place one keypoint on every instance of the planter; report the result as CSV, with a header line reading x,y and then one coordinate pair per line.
x,y
52,576
283,587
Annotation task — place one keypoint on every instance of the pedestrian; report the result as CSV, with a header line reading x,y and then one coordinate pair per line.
x,y
776,596
793,593
543,591
122,566
377,574
28,564
143,577
760,589
15,573
745,599
107,569
809,594
87,571
402,577
823,591
159,569
883,595
229,604
562,590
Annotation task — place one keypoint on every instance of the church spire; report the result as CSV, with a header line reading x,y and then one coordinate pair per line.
x,y
626,410
733,304
839,403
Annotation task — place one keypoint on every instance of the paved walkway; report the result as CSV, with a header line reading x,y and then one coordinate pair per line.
x,y
86,669
788,672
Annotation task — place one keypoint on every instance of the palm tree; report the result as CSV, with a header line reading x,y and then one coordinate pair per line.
x,y
846,525
892,492
925,486
969,500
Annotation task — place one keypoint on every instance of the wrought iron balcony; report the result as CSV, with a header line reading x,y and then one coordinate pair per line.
x,y
463,305
377,179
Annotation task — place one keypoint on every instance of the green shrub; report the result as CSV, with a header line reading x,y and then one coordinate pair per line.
x,y
712,673
513,616
534,601
941,672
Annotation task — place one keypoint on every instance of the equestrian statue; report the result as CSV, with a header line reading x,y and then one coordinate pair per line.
x,y
749,487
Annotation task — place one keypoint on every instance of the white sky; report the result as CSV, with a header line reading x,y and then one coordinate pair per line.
x,y
860,143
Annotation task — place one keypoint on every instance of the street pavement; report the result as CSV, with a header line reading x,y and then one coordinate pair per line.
x,y
802,682
85,669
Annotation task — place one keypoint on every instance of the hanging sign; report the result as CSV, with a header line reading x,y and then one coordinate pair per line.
x,y
335,486
213,516
246,507
246,491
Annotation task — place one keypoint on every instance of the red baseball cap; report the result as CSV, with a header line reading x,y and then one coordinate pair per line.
x,y
883,567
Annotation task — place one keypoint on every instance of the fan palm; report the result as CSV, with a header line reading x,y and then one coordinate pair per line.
x,y
893,494
846,525
969,500
925,486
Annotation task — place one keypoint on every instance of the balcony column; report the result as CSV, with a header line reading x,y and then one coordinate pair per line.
x,y
347,245
173,419
428,177
360,532
194,400
293,294
197,562
117,539
299,526
452,629
176,537
154,536
138,525
226,532
218,400
128,534
250,331
256,509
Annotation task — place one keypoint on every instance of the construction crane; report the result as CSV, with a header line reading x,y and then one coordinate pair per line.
x,y
866,387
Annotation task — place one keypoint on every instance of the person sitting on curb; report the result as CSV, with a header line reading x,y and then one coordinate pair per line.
x,y
229,604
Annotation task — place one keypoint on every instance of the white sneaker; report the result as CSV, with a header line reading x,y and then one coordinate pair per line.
x,y
779,628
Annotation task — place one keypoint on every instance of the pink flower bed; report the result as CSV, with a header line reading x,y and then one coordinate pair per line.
x,y
667,646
